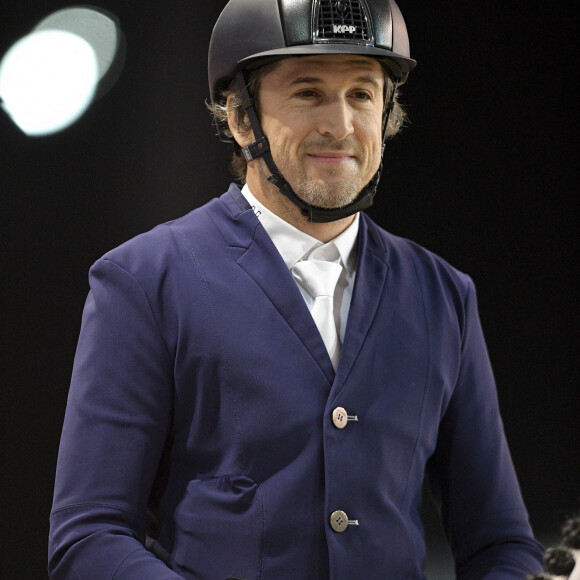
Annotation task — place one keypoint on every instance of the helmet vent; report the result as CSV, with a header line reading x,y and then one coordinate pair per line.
x,y
344,21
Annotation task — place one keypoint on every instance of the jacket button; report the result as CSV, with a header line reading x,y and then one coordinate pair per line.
x,y
339,521
340,418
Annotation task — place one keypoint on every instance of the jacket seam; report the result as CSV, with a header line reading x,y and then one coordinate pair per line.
x,y
421,418
71,567
151,311
220,340
263,538
90,504
170,359
124,561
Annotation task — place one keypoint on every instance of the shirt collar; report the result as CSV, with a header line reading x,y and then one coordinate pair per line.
x,y
294,244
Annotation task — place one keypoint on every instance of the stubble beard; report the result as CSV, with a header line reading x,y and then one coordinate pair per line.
x,y
319,192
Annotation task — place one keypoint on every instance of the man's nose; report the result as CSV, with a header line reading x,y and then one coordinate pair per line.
x,y
335,119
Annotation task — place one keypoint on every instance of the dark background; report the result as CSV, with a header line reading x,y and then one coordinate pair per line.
x,y
485,175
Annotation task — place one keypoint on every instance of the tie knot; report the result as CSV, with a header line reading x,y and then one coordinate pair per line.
x,y
317,277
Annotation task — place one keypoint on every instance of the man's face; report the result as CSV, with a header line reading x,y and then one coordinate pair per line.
x,y
323,118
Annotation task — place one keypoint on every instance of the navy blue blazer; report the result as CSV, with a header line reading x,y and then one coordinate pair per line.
x,y
199,439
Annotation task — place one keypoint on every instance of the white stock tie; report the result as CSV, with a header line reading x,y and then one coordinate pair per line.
x,y
319,279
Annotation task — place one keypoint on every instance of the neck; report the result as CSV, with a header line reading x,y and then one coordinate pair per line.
x,y
269,195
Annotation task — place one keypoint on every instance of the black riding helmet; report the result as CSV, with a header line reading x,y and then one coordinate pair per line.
x,y
251,33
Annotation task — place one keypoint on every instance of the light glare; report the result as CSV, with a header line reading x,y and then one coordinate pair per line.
x,y
99,29
47,81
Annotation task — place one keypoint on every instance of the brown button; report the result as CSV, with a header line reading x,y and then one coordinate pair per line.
x,y
339,418
339,521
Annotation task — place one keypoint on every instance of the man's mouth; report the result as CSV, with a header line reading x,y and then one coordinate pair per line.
x,y
332,157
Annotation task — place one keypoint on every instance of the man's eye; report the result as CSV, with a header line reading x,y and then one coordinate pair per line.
x,y
362,96
306,93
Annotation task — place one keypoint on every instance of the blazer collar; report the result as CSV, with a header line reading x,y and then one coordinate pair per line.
x,y
263,263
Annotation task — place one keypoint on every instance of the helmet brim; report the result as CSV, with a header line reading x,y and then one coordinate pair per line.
x,y
398,65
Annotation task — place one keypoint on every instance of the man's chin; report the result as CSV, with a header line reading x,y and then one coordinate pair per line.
x,y
328,194
328,200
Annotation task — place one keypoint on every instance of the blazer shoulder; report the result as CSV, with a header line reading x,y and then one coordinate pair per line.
x,y
167,245
400,252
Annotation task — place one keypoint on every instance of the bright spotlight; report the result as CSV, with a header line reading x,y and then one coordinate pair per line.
x,y
47,81
100,29
49,78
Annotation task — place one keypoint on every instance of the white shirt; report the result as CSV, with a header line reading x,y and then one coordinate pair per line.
x,y
295,245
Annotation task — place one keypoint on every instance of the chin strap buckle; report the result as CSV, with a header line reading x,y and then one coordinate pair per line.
x,y
256,149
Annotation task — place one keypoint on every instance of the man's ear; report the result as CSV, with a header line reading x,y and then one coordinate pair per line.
x,y
239,126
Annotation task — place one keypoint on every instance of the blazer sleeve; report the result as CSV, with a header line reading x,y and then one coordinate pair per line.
x,y
116,425
471,472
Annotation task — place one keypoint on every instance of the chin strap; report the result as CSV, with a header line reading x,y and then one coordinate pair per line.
x,y
261,148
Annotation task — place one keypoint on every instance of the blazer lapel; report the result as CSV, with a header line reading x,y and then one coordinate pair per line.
x,y
263,263
370,280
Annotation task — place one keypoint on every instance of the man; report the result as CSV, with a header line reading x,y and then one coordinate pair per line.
x,y
226,421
